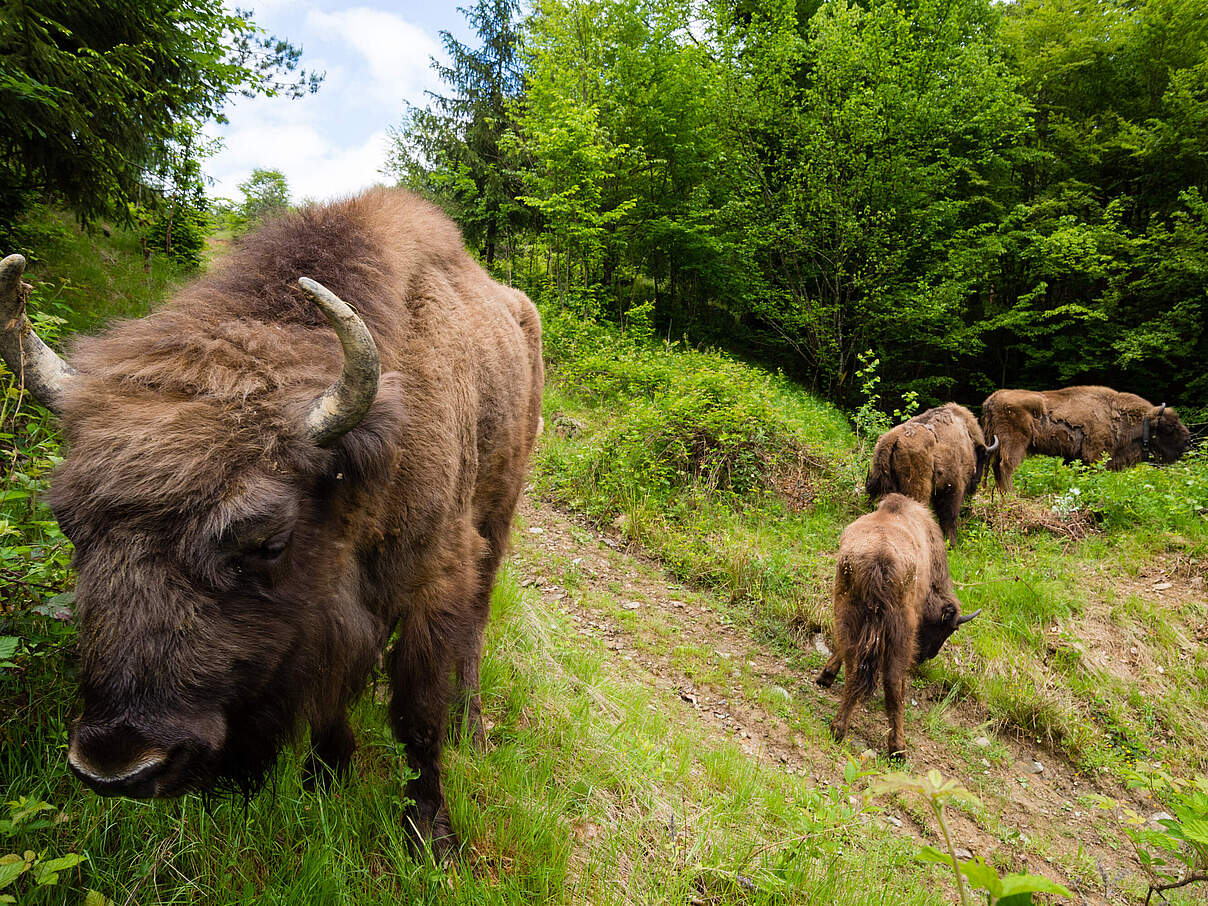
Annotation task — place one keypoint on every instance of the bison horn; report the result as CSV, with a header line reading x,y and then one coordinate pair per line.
x,y
341,406
38,366
965,618
1160,411
993,446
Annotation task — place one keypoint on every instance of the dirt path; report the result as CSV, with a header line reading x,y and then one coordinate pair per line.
x,y
1033,815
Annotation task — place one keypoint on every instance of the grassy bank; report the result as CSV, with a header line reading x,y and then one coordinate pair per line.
x,y
740,483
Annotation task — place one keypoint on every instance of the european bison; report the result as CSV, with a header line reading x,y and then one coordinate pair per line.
x,y
894,608
1080,423
255,510
937,457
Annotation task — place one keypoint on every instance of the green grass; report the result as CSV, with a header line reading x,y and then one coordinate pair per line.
x,y
686,454
89,278
589,792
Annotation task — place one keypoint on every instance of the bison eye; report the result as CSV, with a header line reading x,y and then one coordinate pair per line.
x,y
274,547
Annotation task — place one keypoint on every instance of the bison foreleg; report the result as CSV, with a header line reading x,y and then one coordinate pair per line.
x,y
826,678
332,746
947,505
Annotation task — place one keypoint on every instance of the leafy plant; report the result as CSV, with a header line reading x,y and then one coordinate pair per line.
x,y
43,870
1172,846
937,792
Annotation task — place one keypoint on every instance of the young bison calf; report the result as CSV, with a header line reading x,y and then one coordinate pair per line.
x,y
894,607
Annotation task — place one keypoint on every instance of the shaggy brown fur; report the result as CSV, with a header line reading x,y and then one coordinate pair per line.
x,y
235,578
894,608
937,457
1079,423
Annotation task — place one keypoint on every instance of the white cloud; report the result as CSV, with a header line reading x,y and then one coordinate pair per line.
x,y
334,142
397,53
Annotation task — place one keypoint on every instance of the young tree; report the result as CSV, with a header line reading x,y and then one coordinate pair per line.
x,y
452,148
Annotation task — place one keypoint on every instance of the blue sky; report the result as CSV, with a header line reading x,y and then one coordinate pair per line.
x,y
376,55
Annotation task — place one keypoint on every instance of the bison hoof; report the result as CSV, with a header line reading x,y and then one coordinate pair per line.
x,y
896,753
435,834
838,731
825,679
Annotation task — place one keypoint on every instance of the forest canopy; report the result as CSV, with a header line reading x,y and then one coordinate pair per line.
x,y
982,194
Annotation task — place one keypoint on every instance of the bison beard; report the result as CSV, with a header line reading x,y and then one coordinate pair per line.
x,y
894,608
1080,424
257,506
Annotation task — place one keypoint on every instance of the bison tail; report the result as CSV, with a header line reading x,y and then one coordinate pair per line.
x,y
881,479
874,612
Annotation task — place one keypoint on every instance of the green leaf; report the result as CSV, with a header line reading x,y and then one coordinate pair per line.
x,y
931,854
12,867
8,646
1013,885
96,898
982,876
47,873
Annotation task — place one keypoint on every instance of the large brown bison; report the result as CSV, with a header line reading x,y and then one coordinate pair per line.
x,y
1080,423
937,457
255,511
894,608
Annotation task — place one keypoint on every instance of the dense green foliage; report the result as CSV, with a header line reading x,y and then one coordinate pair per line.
x,y
983,194
101,104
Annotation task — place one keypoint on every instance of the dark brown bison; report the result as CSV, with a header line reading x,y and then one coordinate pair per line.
x,y
894,608
255,511
937,457
1080,423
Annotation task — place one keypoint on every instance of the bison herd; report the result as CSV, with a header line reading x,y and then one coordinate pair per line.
x,y
893,599
311,456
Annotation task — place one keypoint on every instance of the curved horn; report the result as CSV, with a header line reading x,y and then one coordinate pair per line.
x,y
965,618
342,405
1160,411
38,366
993,446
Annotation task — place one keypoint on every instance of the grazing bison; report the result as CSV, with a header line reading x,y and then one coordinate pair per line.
x,y
937,457
1080,423
894,608
263,485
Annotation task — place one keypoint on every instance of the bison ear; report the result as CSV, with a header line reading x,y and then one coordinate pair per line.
x,y
948,614
369,452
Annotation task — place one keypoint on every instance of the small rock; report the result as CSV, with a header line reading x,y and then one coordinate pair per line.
x,y
963,854
1031,767
536,530
1162,586
820,645
1159,816
982,742
631,605
621,523
779,693
896,822
1160,670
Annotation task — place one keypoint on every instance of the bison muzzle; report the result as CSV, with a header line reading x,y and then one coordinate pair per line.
x,y
894,608
269,478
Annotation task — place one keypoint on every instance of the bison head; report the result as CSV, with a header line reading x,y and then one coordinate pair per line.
x,y
933,633
211,545
1166,435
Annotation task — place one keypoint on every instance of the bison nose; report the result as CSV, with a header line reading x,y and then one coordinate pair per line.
x,y
116,760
